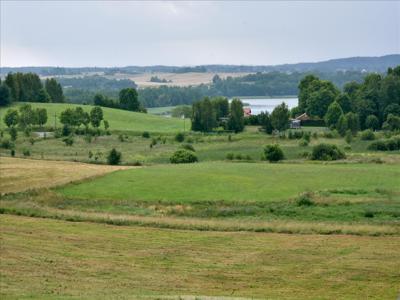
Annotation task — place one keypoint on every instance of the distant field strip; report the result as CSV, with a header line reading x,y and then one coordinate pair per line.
x,y
47,259
24,174
118,119
233,182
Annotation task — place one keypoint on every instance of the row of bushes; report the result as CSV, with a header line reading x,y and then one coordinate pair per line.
x,y
391,144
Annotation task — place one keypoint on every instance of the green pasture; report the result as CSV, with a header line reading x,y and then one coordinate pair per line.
x,y
233,182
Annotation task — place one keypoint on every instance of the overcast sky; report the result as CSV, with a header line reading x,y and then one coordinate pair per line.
x,y
112,33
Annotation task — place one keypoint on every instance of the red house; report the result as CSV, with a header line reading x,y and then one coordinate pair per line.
x,y
247,111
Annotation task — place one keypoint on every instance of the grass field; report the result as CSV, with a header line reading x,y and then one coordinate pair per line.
x,y
208,147
118,119
160,110
234,182
47,259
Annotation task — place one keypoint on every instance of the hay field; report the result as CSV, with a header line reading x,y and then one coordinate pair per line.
x,y
179,79
24,174
47,259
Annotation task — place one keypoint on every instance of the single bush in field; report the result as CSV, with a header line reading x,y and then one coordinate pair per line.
x,y
273,153
305,200
369,214
230,156
327,152
179,137
303,142
146,134
6,144
367,135
69,141
238,156
12,153
188,147
183,156
26,152
114,157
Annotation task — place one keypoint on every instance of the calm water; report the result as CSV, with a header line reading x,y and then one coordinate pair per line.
x,y
259,105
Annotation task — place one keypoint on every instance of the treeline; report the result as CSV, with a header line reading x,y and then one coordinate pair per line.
x,y
127,100
209,114
374,103
83,89
25,117
259,84
20,87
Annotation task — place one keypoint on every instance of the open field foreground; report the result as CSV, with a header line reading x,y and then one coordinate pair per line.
x,y
118,119
25,174
47,259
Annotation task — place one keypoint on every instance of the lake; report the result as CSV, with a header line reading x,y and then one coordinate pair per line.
x,y
258,105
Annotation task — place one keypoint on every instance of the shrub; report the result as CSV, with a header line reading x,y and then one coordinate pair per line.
x,y
12,152
273,153
303,143
305,200
238,156
66,130
183,156
69,140
13,133
327,152
230,156
372,122
6,144
348,137
188,147
114,157
386,145
369,214
179,137
32,141
367,135
88,138
146,134
121,138
26,152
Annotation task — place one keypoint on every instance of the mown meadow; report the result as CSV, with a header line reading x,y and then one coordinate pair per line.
x,y
244,226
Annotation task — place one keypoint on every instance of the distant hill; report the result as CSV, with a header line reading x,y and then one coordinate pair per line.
x,y
367,64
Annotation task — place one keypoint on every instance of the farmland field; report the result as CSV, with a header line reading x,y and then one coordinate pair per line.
x,y
177,79
74,260
118,119
22,174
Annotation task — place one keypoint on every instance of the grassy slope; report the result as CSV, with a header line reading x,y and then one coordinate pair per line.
x,y
234,181
47,259
118,119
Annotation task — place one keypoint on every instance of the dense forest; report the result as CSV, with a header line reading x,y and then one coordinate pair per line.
x,y
372,104
27,87
83,89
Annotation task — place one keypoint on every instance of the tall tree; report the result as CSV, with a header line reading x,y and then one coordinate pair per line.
x,y
55,91
280,117
236,116
5,95
128,99
333,114
96,116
